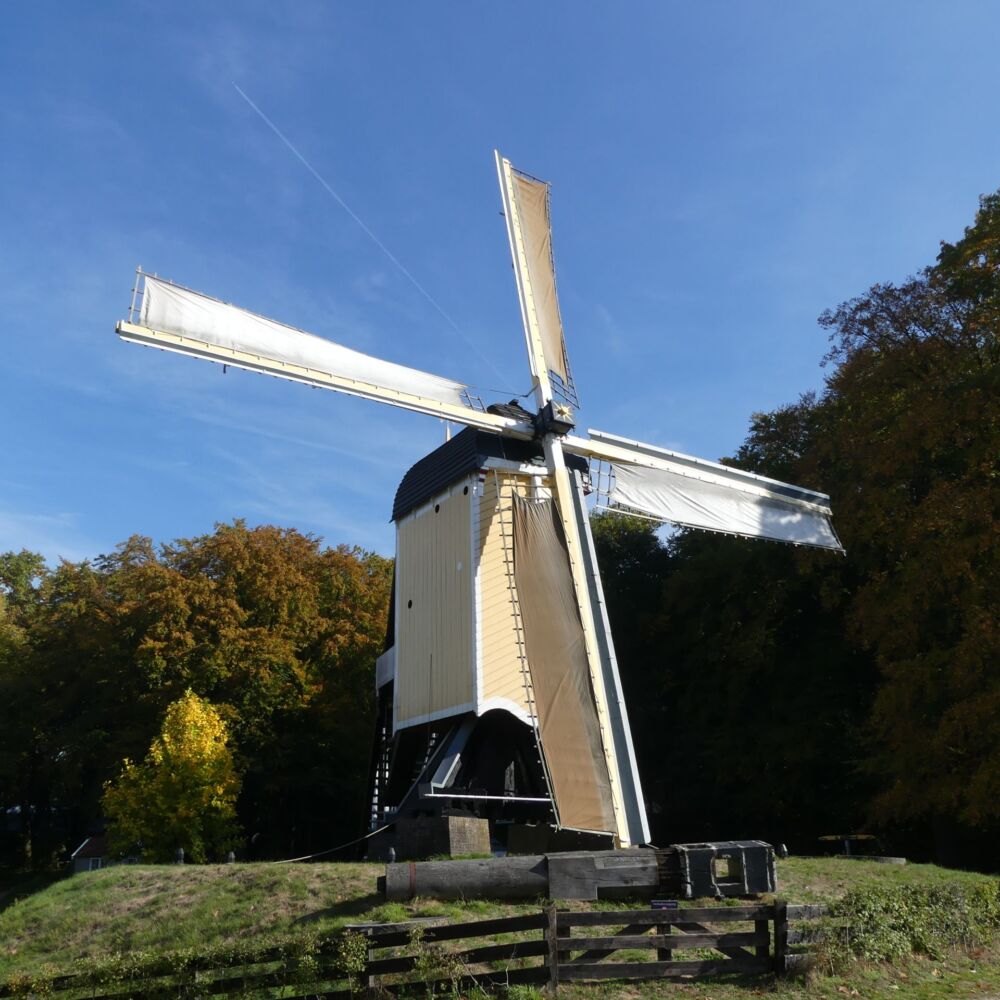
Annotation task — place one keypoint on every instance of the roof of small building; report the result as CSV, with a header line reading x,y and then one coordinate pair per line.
x,y
93,847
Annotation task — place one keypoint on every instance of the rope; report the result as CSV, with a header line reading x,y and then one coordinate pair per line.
x,y
319,854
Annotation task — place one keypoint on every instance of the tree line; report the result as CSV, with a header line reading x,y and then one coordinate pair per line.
x,y
807,695
774,692
276,634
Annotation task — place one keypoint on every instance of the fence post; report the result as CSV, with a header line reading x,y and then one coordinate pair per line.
x,y
369,979
552,936
763,927
664,954
780,936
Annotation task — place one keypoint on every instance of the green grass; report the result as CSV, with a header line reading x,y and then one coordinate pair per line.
x,y
819,880
15,884
168,908
172,908
164,909
957,976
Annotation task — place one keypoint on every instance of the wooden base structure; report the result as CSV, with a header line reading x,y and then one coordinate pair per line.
x,y
682,871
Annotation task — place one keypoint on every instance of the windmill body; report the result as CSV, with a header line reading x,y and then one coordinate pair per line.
x,y
484,690
499,691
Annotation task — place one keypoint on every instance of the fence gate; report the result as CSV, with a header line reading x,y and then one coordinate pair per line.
x,y
417,958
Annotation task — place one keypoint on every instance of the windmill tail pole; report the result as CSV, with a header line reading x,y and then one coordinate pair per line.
x,y
680,871
522,877
569,875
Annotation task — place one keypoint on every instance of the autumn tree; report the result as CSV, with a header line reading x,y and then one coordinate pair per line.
x,y
866,686
293,663
85,704
277,631
183,795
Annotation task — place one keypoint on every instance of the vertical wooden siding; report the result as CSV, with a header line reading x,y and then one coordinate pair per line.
x,y
435,610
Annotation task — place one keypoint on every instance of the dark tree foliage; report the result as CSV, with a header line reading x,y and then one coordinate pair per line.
x,y
789,693
747,705
278,633
633,566
916,401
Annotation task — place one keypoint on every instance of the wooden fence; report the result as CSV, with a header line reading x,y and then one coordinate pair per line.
x,y
689,931
546,947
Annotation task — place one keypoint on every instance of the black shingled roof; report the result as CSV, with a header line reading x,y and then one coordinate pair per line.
x,y
464,453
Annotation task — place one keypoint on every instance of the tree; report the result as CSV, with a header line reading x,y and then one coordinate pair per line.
x,y
21,574
736,670
293,668
866,686
915,443
277,631
183,795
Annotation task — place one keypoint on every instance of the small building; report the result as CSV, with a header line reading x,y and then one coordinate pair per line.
x,y
91,854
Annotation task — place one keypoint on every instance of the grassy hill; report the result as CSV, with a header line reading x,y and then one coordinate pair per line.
x,y
99,915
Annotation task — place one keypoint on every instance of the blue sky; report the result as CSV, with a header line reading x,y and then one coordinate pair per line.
x,y
722,172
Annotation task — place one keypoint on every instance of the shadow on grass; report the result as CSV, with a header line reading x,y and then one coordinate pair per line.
x,y
348,908
17,885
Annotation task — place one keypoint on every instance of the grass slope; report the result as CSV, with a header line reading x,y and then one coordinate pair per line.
x,y
175,908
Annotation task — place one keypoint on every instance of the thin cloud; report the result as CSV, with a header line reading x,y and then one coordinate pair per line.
x,y
55,536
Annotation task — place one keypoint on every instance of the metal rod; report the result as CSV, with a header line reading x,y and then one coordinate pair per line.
x,y
485,798
135,288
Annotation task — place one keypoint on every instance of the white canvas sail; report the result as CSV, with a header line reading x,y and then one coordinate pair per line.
x,y
717,506
529,226
172,309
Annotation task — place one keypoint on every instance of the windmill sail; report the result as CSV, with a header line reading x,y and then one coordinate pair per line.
x,y
560,676
526,204
526,208
175,310
696,493
714,506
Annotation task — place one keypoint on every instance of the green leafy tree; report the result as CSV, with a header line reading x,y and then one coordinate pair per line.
x,y
278,632
183,795
915,441
21,575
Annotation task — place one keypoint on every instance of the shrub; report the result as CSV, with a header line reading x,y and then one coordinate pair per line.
x,y
888,922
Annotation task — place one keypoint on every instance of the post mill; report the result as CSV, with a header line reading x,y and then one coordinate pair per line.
x,y
499,697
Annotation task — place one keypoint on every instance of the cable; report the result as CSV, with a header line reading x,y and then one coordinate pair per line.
x,y
347,208
319,854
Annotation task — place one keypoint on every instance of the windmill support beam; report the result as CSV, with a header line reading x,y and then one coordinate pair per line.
x,y
567,515
634,453
621,732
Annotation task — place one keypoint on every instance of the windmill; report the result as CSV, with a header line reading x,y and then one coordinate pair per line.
x,y
499,689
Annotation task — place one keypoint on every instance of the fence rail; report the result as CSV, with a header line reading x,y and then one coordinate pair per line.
x,y
406,958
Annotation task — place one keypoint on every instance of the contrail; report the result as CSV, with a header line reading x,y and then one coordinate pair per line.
x,y
347,208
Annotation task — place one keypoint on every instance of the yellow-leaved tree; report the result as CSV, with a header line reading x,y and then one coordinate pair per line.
x,y
183,794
